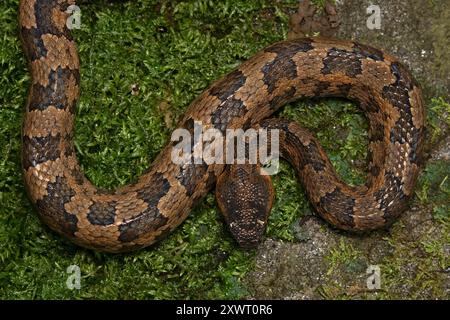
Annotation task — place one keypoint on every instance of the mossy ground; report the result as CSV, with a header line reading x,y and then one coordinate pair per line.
x,y
171,51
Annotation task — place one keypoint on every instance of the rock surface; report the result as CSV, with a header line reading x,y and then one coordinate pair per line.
x,y
326,263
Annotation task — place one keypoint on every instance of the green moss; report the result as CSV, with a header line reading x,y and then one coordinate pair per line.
x,y
417,268
345,257
434,187
438,119
322,3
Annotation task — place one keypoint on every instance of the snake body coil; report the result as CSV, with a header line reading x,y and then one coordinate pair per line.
x,y
138,214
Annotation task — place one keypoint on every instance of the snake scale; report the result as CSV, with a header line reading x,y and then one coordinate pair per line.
x,y
138,214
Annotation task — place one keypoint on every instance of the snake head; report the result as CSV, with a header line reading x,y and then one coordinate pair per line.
x,y
245,198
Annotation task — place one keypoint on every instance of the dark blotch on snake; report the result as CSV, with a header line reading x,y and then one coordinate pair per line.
x,y
52,206
339,204
338,60
150,219
39,150
53,94
102,213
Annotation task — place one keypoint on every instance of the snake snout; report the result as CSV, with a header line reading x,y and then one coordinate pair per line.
x,y
248,234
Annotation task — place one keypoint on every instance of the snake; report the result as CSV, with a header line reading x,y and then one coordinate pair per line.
x,y
142,212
